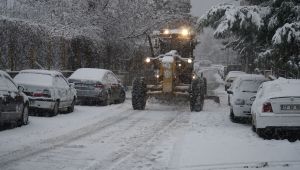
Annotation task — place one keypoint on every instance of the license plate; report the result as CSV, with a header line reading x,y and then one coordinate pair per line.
x,y
291,107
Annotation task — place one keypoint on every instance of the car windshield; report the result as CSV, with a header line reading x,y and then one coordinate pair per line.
x,y
35,79
3,85
250,86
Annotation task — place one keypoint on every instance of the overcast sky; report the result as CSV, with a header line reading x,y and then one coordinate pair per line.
x,y
199,7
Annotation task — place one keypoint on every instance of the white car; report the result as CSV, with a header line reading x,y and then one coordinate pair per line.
x,y
47,90
243,93
231,76
277,106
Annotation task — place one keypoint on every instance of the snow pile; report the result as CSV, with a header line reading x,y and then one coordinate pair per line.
x,y
288,33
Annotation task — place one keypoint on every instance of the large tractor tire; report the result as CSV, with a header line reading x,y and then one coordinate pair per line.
x,y
139,94
197,95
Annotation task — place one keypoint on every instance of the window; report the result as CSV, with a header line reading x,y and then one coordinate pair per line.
x,y
60,82
36,79
112,79
3,85
11,85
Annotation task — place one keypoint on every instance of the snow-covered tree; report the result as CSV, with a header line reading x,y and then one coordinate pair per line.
x,y
266,32
67,34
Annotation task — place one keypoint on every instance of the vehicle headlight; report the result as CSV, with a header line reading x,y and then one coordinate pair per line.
x,y
185,32
148,60
166,31
190,61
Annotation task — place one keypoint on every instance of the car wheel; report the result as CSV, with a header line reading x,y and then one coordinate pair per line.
x,y
122,97
55,109
261,133
253,125
228,99
232,117
105,102
25,115
71,108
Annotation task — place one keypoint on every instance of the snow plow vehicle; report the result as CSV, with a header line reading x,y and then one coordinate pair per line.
x,y
170,75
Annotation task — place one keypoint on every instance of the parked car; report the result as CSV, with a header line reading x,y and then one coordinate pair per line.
x,y
276,107
14,103
231,76
47,90
242,94
97,86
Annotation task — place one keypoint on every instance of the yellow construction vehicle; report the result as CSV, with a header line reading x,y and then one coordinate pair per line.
x,y
171,71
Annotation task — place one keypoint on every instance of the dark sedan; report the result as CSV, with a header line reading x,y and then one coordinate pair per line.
x,y
97,86
13,102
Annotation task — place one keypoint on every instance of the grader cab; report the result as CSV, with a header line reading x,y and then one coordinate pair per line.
x,y
171,71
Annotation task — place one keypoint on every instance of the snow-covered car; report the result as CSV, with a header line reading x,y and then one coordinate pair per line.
x,y
14,104
47,90
97,86
231,76
243,93
276,107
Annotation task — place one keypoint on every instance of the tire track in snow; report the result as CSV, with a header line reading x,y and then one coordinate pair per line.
x,y
139,148
242,165
53,143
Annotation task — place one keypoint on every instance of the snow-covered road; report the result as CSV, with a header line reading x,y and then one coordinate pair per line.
x,y
161,137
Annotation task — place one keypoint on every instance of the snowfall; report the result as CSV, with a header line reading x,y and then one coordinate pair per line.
x,y
164,136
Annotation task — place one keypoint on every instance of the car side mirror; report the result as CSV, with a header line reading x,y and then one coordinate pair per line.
x,y
252,98
72,85
20,88
229,92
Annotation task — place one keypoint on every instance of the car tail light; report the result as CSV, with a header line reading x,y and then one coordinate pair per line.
x,y
99,86
239,102
38,94
267,107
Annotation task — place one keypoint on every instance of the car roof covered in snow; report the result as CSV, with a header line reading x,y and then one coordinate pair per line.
x,y
251,77
47,72
93,74
282,88
232,74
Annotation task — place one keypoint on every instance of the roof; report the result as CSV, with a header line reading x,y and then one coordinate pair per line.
x,y
234,74
252,77
49,72
93,74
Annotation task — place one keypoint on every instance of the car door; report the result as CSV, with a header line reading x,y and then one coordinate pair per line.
x,y
12,100
60,86
113,86
69,91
